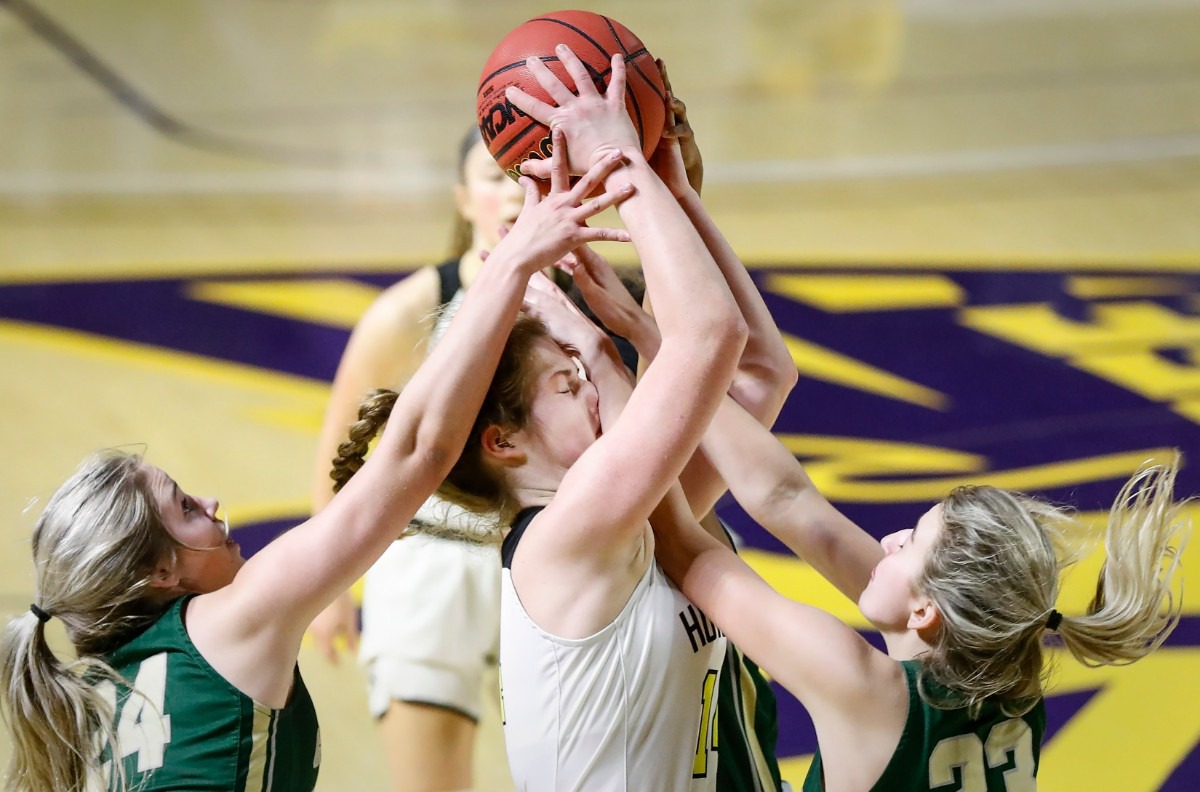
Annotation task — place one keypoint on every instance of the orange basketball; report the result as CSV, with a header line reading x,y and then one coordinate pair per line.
x,y
513,137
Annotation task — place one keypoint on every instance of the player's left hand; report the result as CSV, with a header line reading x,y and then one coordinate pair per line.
x,y
610,300
678,128
567,324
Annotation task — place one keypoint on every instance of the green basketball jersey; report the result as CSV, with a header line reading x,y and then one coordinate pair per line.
x,y
188,728
948,751
747,727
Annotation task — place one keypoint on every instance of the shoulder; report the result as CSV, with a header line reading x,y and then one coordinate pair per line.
x,y
396,321
415,292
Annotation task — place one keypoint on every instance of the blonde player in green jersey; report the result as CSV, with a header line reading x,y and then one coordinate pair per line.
x,y
963,601
186,674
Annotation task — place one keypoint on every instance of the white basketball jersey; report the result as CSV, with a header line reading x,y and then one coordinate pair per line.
x,y
632,707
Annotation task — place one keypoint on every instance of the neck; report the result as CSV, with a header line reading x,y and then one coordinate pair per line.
x,y
533,496
904,644
533,487
469,264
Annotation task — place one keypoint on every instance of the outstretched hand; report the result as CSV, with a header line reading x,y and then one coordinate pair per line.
x,y
336,624
549,226
610,300
568,325
595,124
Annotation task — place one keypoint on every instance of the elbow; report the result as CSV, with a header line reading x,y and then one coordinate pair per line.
x,y
762,388
727,333
775,508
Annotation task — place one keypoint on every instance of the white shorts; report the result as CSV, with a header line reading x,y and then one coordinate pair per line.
x,y
431,624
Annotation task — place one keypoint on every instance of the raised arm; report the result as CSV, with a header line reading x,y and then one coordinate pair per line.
x,y
765,373
842,681
774,489
702,333
282,587
765,478
385,348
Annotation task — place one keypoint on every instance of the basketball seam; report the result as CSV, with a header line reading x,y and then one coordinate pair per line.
x,y
517,138
583,35
631,59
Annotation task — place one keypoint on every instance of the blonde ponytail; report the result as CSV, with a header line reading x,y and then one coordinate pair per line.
x,y
93,549
994,574
56,720
1135,607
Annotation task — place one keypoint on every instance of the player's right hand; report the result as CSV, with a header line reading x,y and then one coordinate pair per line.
x,y
334,626
594,124
552,225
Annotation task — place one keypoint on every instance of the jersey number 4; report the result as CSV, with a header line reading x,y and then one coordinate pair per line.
x,y
968,754
143,728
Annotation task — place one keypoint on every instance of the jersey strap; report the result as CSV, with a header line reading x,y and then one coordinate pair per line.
x,y
509,548
449,281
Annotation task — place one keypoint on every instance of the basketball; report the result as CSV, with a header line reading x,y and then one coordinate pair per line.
x,y
513,137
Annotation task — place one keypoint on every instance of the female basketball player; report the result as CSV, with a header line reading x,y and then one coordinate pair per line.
x,y
154,595
609,675
434,657
963,601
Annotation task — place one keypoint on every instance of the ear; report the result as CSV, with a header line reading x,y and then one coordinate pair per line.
x,y
501,444
164,577
925,618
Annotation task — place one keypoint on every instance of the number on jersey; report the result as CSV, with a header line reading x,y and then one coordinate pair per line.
x,y
143,728
706,739
968,754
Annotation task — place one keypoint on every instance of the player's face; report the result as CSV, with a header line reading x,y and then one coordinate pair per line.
x,y
206,559
487,198
891,594
564,414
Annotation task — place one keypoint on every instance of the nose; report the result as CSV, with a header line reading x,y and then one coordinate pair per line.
x,y
211,506
891,542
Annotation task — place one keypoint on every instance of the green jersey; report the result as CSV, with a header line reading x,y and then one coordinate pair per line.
x,y
946,750
187,728
748,727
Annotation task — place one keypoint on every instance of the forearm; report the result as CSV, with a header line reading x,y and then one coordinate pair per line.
x,y
764,477
692,300
680,544
766,372
777,493
437,408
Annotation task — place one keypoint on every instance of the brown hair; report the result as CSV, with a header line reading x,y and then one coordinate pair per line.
x,y
472,483
462,234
